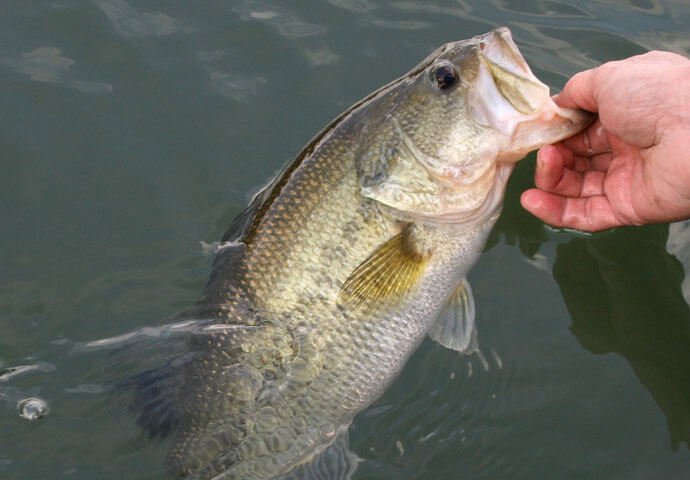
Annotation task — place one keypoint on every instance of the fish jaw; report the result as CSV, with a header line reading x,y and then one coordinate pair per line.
x,y
516,103
550,125
470,108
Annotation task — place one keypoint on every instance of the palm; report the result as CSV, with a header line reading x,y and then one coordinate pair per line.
x,y
631,166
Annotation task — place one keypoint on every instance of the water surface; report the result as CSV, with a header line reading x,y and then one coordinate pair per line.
x,y
132,131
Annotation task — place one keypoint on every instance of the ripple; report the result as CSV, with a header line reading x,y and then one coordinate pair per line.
x,y
440,404
665,41
213,248
172,329
88,388
321,56
236,86
543,8
44,64
96,88
47,64
287,23
128,22
240,87
7,373
359,6
401,24
462,10
308,37
33,408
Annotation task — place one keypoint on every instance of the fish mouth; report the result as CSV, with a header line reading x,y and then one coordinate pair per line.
x,y
516,103
552,124
510,72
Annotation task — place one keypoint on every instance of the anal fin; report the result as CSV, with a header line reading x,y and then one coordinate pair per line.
x,y
455,327
336,462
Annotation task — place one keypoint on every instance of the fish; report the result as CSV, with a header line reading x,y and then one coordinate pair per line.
x,y
342,265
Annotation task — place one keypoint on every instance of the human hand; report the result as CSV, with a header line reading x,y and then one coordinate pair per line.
x,y
632,165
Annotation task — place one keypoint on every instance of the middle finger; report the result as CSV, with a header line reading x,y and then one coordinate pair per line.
x,y
591,141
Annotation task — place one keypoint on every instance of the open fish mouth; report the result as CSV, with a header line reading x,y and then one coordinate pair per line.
x,y
516,103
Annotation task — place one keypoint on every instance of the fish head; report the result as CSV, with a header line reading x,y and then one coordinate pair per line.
x,y
456,125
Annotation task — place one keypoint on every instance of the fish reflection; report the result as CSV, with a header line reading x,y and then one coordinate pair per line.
x,y
629,301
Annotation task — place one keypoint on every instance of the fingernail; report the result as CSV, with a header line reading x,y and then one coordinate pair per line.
x,y
529,200
540,157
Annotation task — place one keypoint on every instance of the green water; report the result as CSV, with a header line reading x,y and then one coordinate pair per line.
x,y
131,131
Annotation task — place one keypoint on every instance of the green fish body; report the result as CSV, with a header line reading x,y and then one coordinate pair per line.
x,y
346,261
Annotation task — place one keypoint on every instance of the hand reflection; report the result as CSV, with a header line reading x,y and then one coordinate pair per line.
x,y
623,292
516,225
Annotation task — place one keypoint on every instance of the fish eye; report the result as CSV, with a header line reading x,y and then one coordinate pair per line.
x,y
444,76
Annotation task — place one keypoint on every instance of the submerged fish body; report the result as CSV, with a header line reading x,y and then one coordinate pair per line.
x,y
341,266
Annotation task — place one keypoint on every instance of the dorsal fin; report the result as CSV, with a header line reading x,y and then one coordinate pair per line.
x,y
244,226
239,225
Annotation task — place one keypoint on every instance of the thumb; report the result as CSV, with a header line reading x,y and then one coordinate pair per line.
x,y
579,92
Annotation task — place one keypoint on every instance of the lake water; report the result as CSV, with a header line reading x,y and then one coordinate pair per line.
x,y
132,131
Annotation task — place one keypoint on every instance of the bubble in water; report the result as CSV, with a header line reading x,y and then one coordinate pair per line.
x,y
32,408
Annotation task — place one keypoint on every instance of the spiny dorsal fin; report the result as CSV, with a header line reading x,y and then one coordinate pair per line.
x,y
391,271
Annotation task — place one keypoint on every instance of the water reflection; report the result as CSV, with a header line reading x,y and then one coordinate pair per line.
x,y
629,301
516,225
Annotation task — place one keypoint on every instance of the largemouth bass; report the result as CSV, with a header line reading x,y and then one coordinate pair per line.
x,y
346,261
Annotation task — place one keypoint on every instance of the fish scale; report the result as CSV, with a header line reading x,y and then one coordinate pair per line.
x,y
341,265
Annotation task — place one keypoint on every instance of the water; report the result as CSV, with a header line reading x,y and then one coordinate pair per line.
x,y
132,131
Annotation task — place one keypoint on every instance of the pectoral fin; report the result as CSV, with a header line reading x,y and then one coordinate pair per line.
x,y
455,327
391,271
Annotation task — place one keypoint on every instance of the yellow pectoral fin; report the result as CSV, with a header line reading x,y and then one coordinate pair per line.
x,y
386,276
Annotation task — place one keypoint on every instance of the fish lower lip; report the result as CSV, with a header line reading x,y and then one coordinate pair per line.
x,y
551,125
